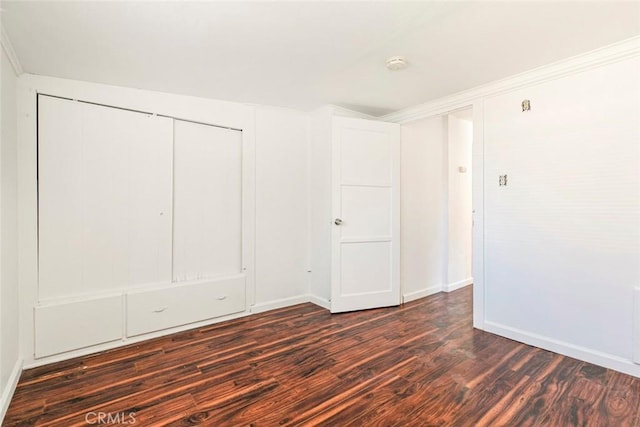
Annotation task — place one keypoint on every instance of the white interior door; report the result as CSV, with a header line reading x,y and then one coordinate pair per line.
x,y
366,214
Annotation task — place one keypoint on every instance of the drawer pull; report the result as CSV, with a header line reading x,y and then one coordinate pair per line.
x,y
223,297
160,310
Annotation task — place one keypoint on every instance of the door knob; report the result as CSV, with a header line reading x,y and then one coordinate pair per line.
x,y
338,221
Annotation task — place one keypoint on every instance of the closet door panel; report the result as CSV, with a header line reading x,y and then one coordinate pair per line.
x,y
60,192
104,177
150,203
207,202
104,198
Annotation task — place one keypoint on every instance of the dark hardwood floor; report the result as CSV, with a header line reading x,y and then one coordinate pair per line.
x,y
421,364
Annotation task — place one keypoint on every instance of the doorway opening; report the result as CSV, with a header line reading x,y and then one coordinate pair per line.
x,y
436,205
459,183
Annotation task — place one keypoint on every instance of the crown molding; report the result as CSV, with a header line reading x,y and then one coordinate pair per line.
x,y
11,54
347,112
595,58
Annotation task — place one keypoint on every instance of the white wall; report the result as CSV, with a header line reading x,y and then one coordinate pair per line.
x,y
587,306
281,205
9,346
423,207
563,237
436,211
320,134
460,137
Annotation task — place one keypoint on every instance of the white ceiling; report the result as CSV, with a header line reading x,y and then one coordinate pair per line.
x,y
307,54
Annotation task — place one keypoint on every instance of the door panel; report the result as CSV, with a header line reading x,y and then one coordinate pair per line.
x,y
366,268
366,207
207,234
366,158
368,210
104,198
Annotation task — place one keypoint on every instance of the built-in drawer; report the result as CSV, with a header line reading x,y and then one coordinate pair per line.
x,y
181,304
62,327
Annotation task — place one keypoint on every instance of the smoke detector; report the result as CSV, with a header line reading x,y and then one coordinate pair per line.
x,y
397,63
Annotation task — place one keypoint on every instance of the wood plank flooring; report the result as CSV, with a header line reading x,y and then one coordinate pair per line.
x,y
421,364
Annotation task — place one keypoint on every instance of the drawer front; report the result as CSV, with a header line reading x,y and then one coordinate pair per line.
x,y
154,310
70,326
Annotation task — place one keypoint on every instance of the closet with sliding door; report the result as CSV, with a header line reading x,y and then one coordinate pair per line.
x,y
142,224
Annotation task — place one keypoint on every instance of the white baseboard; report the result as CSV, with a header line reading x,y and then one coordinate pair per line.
x,y
10,388
321,302
411,296
577,352
457,285
279,303
636,325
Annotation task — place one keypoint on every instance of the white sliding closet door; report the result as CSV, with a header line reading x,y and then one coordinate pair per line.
x,y
104,188
207,235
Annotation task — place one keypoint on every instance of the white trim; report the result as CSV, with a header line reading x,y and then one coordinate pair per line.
x,y
321,302
27,215
445,242
578,352
457,285
346,112
608,54
279,303
10,388
309,253
122,291
11,54
203,110
412,296
355,184
249,215
366,239
477,194
636,325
